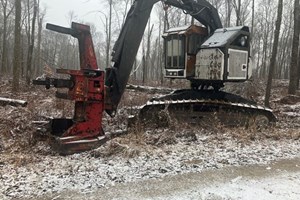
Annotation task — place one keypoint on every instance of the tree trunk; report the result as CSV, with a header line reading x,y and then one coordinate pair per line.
x,y
238,15
237,7
6,14
253,14
17,46
294,61
4,42
148,52
228,13
160,52
166,20
109,35
38,55
144,68
274,53
135,70
30,49
12,102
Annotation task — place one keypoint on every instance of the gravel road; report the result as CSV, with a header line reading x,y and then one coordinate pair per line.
x,y
277,180
37,175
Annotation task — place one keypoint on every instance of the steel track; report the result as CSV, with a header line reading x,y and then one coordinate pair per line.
x,y
205,108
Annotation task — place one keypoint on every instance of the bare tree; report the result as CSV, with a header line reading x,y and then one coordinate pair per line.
x,y
293,85
228,5
31,44
108,30
253,14
109,34
17,46
39,42
71,16
159,50
265,23
237,7
274,53
285,43
7,10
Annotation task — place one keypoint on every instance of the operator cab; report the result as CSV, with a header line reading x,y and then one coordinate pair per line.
x,y
225,56
181,47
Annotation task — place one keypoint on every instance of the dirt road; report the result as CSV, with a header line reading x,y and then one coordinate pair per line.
x,y
278,180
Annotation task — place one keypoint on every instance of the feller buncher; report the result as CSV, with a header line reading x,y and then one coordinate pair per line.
x,y
207,55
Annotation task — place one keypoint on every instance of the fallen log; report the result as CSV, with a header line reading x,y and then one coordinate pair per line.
x,y
12,102
149,89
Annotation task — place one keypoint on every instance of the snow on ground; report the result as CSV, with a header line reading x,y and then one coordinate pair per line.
x,y
29,169
86,172
278,180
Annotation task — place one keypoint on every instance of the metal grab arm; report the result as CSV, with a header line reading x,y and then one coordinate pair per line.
x,y
57,83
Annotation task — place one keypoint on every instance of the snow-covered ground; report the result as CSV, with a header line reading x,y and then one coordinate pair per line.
x,y
29,169
24,175
278,180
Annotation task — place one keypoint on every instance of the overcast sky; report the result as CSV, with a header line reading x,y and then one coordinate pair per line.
x,y
57,11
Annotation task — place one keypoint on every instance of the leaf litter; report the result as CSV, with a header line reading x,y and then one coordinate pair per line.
x,y
29,168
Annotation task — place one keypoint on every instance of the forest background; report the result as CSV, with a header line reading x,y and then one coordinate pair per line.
x,y
28,50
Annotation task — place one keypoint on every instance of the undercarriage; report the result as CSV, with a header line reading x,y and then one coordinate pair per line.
x,y
206,107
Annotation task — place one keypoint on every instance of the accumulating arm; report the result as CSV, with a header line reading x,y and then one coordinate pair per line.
x,y
126,47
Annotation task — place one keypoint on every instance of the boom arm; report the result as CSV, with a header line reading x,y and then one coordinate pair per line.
x,y
126,47
201,10
125,50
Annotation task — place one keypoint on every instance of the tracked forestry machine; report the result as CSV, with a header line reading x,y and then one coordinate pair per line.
x,y
207,55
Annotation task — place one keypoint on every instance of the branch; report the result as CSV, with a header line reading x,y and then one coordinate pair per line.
x,y
12,102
